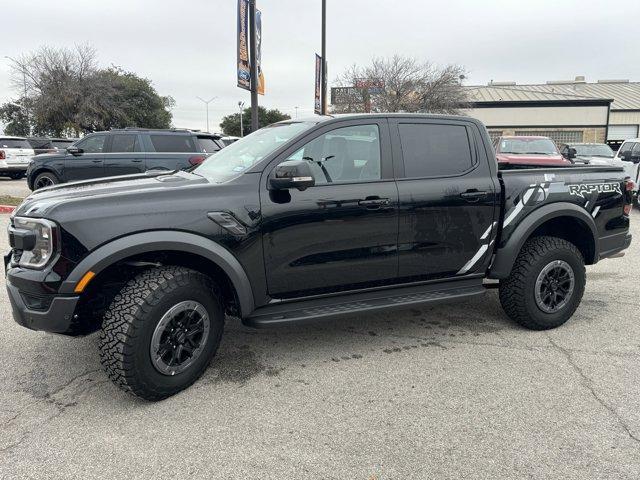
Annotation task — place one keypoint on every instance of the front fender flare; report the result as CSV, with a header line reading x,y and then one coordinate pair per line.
x,y
166,240
506,256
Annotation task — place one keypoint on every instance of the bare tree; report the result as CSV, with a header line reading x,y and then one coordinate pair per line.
x,y
409,86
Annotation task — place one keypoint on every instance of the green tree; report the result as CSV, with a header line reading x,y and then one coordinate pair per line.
x,y
13,116
68,94
231,123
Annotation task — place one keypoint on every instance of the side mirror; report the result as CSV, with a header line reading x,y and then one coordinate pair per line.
x,y
74,150
292,174
571,153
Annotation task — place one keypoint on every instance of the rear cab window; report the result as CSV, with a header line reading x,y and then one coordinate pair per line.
x,y
173,143
14,143
435,150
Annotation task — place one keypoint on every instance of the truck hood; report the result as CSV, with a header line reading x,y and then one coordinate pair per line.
x,y
43,202
528,159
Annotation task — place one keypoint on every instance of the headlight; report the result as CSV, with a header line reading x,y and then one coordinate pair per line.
x,y
39,249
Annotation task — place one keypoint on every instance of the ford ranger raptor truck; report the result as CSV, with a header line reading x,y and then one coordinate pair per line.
x,y
305,220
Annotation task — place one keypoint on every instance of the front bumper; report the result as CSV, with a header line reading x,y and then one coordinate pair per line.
x,y
57,318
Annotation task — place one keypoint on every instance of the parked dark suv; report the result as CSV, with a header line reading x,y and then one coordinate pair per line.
x,y
121,152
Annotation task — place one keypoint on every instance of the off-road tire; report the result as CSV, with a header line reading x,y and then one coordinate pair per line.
x,y
517,292
51,177
132,317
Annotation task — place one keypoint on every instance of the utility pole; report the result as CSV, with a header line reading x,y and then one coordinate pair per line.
x,y
241,106
253,67
207,102
323,108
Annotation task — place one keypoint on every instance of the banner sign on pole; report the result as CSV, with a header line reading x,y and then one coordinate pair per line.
x,y
259,51
317,106
244,75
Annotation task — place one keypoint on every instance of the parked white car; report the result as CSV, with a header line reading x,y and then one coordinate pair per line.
x,y
629,154
15,155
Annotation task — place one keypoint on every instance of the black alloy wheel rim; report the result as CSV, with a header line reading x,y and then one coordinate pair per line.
x,y
554,286
43,182
180,337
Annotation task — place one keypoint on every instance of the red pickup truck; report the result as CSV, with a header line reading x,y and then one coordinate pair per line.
x,y
527,151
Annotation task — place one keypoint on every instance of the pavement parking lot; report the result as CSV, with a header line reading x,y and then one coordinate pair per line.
x,y
453,391
14,188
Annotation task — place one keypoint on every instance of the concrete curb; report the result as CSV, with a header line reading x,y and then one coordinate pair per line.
x,y
7,208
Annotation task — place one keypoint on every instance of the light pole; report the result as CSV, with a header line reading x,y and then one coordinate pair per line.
x,y
296,112
323,108
24,100
241,107
207,102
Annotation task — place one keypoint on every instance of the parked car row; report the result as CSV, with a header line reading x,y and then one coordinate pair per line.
x,y
528,151
122,152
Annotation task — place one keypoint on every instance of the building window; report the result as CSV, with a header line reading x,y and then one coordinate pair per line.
x,y
558,136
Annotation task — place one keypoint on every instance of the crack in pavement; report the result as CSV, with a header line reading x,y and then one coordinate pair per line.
x,y
588,384
59,404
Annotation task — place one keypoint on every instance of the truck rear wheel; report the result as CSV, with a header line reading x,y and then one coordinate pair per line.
x,y
161,331
546,283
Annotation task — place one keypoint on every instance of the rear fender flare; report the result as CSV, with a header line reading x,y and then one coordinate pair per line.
x,y
157,241
506,256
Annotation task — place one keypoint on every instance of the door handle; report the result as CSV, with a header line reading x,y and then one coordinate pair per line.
x,y
473,195
96,161
136,160
373,202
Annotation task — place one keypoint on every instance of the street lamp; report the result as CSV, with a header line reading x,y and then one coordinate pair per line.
x,y
24,83
207,102
241,107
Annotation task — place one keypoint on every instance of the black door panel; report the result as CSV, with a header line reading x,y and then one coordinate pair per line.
x,y
90,163
342,233
123,155
447,215
324,239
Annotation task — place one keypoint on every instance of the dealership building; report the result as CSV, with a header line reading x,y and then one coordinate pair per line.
x,y
566,111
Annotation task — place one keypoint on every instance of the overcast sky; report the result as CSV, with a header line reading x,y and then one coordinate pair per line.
x,y
188,48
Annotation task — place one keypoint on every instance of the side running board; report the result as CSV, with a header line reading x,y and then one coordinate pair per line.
x,y
286,313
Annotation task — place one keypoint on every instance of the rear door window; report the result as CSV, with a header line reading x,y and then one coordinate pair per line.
x,y
14,143
173,143
208,144
434,150
122,143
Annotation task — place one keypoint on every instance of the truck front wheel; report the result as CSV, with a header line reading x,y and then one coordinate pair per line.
x,y
545,285
161,331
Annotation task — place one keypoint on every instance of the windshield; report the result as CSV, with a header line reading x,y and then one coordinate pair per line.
x,y
594,150
231,161
524,146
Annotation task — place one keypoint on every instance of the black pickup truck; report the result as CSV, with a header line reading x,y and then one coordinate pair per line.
x,y
305,220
